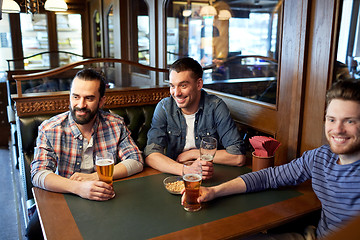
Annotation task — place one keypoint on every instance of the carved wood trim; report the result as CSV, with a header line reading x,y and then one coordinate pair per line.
x,y
52,103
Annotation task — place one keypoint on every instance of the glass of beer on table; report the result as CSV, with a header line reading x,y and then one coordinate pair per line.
x,y
192,176
208,146
105,166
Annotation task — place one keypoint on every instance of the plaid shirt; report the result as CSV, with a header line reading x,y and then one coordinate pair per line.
x,y
60,142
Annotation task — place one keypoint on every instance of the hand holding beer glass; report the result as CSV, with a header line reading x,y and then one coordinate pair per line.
x,y
192,176
105,167
208,148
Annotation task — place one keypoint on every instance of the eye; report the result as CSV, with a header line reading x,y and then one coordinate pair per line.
x,y
331,120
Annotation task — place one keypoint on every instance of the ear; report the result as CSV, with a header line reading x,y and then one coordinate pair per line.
x,y
200,83
102,102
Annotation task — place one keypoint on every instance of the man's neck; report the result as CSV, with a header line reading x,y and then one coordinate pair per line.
x,y
349,158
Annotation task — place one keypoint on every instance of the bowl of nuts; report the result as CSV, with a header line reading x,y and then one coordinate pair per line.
x,y
174,184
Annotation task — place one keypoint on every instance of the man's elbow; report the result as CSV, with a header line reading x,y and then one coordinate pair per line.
x,y
149,160
239,160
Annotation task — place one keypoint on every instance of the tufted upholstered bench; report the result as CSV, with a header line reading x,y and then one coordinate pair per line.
x,y
137,119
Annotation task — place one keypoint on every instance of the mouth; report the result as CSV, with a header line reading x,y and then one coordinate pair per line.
x,y
180,100
81,112
339,139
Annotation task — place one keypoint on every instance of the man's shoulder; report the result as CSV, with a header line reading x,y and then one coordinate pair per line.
x,y
54,121
211,98
166,101
111,117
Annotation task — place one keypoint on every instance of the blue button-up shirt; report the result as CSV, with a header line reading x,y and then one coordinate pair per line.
x,y
168,128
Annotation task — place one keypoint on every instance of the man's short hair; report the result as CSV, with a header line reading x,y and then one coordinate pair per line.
x,y
344,90
89,74
187,64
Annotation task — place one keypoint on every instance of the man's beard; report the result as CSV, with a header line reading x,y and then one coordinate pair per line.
x,y
350,148
83,119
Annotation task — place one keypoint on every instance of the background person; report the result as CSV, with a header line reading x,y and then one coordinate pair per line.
x,y
180,121
334,168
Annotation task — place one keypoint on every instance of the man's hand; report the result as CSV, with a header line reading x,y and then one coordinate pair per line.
x,y
84,176
95,190
206,194
189,155
207,169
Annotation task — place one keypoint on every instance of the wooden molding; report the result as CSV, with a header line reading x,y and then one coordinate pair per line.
x,y
50,103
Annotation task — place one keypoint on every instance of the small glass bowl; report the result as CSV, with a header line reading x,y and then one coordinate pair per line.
x,y
174,184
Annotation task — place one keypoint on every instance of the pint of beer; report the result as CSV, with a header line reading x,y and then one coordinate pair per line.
x,y
192,176
192,183
105,167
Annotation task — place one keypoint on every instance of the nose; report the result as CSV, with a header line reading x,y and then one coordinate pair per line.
x,y
177,91
81,103
339,127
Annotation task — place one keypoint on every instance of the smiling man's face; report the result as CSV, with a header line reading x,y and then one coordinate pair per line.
x,y
185,90
342,126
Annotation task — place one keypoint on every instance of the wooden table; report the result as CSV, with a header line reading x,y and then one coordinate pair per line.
x,y
58,222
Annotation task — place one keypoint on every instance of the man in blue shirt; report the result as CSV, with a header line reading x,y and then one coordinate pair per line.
x,y
180,121
334,169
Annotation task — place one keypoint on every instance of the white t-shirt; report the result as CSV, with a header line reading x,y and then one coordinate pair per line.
x,y
190,137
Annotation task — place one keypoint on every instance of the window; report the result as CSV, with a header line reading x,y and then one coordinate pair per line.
x,y
237,44
34,40
348,52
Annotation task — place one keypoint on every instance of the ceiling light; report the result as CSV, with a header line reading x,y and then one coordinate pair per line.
x,y
208,11
224,15
10,6
56,5
187,13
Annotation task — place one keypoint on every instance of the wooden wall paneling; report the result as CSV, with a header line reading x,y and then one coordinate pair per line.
x,y
292,67
319,71
86,37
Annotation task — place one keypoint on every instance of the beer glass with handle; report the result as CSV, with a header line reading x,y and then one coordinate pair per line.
x,y
105,166
192,176
208,148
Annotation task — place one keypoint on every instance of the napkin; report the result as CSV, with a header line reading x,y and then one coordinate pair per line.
x,y
264,146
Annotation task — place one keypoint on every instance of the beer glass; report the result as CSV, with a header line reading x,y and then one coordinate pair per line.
x,y
208,148
192,176
105,167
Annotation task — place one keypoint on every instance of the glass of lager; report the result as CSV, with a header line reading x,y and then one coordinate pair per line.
x,y
105,167
192,176
208,148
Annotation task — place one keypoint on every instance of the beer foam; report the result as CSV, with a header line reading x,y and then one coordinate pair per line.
x,y
104,162
192,177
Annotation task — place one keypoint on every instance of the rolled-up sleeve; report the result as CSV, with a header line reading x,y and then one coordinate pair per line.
x,y
228,133
157,136
129,153
44,156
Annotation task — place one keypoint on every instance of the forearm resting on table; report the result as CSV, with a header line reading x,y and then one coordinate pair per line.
x,y
126,168
163,163
234,186
223,157
56,183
